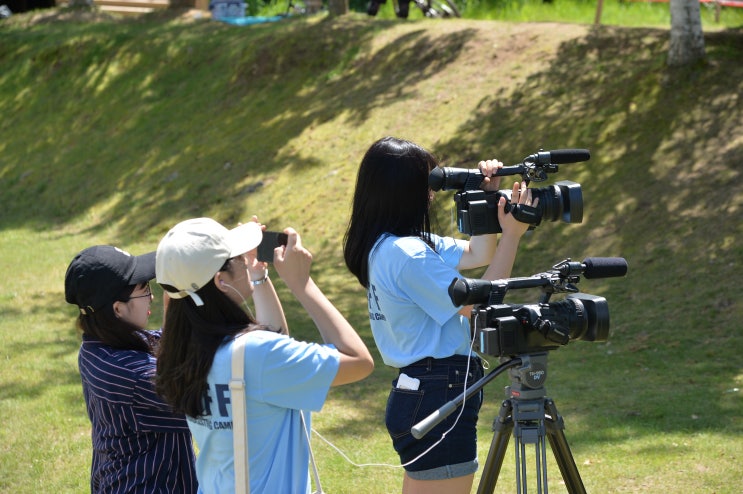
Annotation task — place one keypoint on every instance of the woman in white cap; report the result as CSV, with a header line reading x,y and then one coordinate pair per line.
x,y
139,443
210,273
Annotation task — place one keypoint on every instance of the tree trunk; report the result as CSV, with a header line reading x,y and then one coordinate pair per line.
x,y
599,9
687,40
337,7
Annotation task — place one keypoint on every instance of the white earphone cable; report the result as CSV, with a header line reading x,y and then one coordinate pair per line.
x,y
245,302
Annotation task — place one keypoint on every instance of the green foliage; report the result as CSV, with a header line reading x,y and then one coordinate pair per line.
x,y
640,13
113,131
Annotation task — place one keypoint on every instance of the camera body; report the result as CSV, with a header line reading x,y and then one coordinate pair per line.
x,y
505,330
477,210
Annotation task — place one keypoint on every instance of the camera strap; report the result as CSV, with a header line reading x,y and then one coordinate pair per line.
x,y
239,417
240,423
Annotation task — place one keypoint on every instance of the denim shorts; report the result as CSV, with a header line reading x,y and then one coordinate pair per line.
x,y
441,380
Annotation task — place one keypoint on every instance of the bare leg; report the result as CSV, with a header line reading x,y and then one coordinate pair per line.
x,y
457,485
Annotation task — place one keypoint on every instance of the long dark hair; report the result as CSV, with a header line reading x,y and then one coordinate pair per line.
x,y
191,336
392,196
103,325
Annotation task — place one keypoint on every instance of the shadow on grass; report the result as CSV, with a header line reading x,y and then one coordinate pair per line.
x,y
661,152
33,355
652,188
170,101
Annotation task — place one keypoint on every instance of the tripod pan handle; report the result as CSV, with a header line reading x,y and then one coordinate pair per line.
x,y
424,426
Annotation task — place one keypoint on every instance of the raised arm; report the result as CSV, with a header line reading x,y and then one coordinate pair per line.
x,y
505,254
268,308
498,254
293,265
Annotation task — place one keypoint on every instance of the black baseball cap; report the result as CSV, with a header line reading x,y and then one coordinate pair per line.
x,y
98,275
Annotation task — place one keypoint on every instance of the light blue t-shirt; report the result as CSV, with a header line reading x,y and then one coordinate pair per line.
x,y
411,314
282,377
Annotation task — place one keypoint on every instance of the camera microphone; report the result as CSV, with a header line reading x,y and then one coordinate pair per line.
x,y
593,267
559,156
604,267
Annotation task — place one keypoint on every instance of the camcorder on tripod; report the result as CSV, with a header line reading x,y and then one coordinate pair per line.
x,y
521,335
477,210
505,330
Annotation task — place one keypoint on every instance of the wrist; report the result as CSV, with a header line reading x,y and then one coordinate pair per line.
x,y
259,281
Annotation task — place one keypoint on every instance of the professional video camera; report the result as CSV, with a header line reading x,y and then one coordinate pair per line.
x,y
505,330
520,336
477,210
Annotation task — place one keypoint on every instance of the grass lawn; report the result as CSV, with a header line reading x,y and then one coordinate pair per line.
x,y
112,131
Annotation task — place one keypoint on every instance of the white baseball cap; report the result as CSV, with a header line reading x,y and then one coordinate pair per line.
x,y
193,251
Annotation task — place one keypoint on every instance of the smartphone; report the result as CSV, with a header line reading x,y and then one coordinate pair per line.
x,y
270,241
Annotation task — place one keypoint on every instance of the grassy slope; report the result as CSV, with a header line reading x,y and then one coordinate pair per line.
x,y
112,132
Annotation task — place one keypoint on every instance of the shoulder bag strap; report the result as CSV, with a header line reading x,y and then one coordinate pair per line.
x,y
239,417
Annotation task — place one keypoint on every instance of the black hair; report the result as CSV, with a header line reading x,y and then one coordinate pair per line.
x,y
191,336
103,325
392,196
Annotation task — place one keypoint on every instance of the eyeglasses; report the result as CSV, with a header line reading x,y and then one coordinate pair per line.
x,y
148,293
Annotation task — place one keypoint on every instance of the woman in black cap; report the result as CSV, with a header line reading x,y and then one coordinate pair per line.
x,y
139,444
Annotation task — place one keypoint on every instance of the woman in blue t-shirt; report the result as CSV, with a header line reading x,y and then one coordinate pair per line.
x,y
210,273
406,270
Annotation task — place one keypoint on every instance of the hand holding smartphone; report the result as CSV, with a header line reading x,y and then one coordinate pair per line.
x,y
270,241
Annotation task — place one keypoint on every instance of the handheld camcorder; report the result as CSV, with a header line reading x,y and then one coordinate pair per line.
x,y
477,210
506,330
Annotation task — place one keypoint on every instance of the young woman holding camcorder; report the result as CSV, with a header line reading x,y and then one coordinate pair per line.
x,y
406,269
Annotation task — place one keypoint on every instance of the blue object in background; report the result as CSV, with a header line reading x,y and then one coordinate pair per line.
x,y
245,21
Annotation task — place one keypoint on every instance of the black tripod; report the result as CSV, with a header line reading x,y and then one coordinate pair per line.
x,y
529,416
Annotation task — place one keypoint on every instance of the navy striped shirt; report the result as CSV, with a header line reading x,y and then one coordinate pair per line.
x,y
139,444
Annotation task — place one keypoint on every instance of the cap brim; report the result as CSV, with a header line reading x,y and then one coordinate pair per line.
x,y
144,269
244,238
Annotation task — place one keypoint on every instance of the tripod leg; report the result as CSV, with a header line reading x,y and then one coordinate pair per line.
x,y
502,427
558,443
529,428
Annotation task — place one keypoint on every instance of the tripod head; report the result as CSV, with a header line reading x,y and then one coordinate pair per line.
x,y
528,374
528,377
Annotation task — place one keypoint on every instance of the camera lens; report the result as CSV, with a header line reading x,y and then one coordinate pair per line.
x,y
585,316
563,200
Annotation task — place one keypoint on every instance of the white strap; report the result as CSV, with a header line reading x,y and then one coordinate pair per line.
x,y
315,473
240,423
239,417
